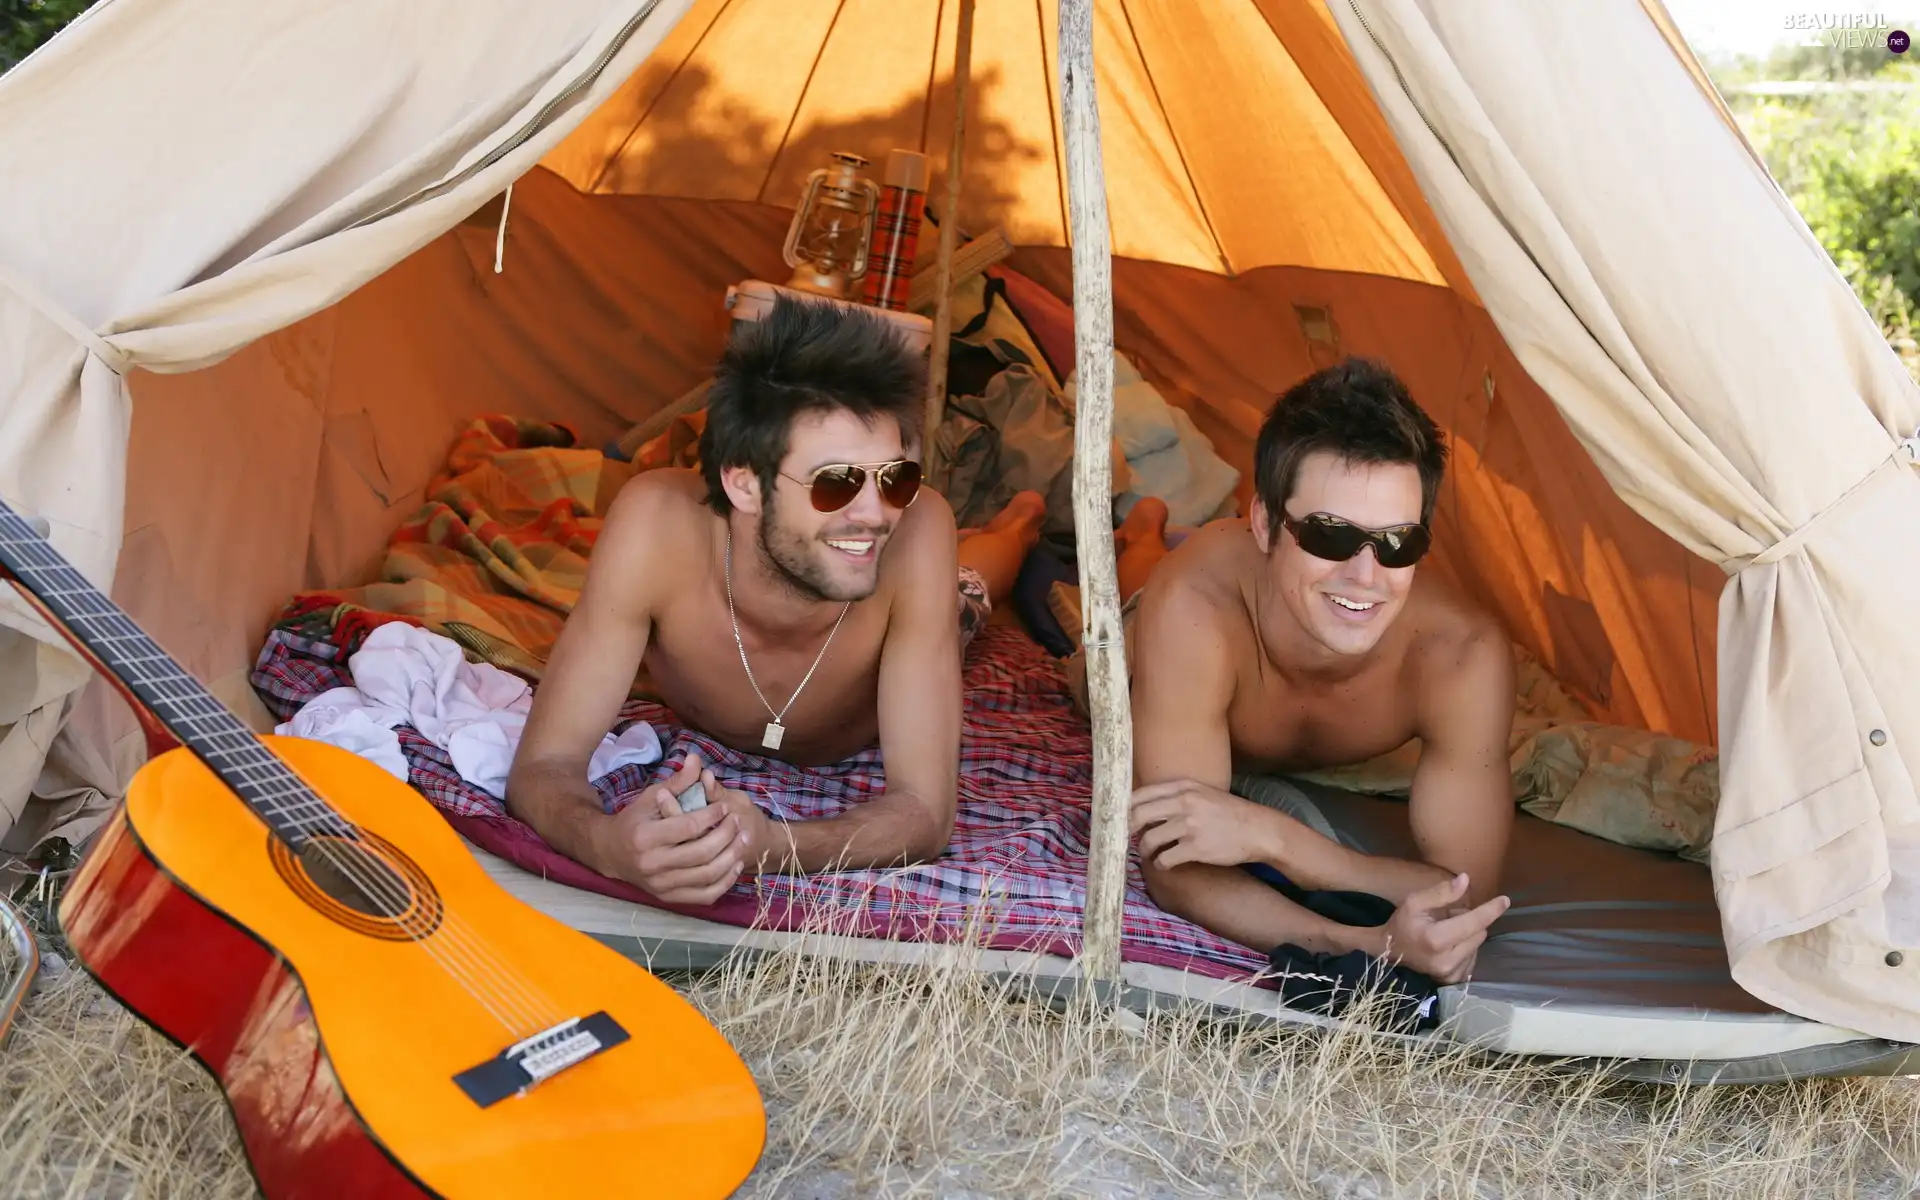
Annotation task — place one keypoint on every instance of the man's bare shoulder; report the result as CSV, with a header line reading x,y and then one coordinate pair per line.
x,y
662,508
658,517
1449,622
1193,607
1458,645
922,546
1210,567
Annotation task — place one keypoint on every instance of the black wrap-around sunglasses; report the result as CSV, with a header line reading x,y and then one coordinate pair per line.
x,y
1336,539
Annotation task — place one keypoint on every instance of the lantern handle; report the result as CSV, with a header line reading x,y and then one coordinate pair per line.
x,y
859,270
790,249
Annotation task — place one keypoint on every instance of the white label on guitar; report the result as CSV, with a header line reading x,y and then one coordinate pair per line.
x,y
549,1060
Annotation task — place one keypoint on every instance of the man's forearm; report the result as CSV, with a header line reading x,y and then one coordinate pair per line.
x,y
892,829
565,811
1311,860
1243,909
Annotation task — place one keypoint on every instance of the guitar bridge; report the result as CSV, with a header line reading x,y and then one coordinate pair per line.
x,y
533,1060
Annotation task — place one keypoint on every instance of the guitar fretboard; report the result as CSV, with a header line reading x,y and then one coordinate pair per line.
x,y
201,723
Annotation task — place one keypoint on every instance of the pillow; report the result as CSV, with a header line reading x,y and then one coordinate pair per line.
x,y
1048,318
1143,421
1192,479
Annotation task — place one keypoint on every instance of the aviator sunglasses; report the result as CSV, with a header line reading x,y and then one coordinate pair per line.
x,y
836,485
1324,535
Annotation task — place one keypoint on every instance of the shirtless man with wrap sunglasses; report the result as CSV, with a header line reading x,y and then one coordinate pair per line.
x,y
795,598
1300,638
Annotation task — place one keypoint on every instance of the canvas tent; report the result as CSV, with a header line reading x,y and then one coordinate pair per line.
x,y
241,327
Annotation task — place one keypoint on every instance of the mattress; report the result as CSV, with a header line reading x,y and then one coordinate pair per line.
x,y
1610,957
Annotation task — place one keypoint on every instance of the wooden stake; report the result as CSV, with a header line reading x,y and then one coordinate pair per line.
x,y
1107,690
949,235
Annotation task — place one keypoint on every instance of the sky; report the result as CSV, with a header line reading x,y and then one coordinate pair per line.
x,y
1716,28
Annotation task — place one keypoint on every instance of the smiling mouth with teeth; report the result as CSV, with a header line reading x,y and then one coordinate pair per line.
x,y
857,547
1353,605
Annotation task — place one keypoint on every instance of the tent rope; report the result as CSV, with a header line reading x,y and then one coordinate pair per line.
x,y
500,238
117,360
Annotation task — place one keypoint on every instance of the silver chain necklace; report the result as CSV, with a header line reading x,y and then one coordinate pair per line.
x,y
775,729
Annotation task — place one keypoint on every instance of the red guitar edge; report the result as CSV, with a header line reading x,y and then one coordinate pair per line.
x,y
238,1009
210,987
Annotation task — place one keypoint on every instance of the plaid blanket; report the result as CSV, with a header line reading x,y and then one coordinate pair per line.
x,y
1014,876
495,560
497,555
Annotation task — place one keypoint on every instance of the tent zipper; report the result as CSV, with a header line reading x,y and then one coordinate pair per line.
x,y
527,130
1361,17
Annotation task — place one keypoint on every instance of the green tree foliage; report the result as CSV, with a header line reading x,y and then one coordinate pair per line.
x,y
25,24
1845,149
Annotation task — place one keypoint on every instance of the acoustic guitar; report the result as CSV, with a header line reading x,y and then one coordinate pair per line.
x,y
383,1018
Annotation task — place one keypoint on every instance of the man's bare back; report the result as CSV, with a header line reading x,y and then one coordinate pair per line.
x,y
1300,638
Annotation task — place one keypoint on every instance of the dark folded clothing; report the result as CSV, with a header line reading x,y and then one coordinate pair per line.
x,y
1041,570
1330,984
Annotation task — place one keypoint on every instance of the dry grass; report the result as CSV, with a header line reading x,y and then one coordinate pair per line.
x,y
937,1081
95,1104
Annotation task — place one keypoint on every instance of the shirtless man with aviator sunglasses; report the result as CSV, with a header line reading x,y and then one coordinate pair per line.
x,y
794,598
1299,638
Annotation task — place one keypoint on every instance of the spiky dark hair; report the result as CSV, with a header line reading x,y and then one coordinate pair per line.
x,y
803,356
1357,409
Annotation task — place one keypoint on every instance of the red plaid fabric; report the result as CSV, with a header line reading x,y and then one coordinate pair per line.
x,y
1014,876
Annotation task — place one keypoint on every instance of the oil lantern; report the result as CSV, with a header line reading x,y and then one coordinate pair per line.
x,y
832,229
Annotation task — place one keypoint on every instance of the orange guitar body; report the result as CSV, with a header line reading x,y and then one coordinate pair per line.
x,y
337,1035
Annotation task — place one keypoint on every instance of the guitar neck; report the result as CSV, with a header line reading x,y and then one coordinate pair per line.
x,y
153,680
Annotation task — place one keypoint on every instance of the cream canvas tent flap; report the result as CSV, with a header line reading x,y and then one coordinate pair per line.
x,y
1732,389
1664,403
184,178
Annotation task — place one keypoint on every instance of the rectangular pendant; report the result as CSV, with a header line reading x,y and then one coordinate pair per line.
x,y
771,739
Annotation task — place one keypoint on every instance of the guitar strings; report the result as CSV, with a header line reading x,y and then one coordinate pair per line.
x,y
479,963
476,961
460,957
533,1009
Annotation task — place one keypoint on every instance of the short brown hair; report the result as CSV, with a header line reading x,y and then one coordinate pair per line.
x,y
1357,409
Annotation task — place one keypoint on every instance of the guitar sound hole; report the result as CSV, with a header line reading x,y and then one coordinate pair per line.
x,y
363,882
346,873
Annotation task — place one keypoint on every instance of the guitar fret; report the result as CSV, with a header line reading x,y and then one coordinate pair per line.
x,y
232,733
257,775
259,772
195,722
273,802
232,741
176,690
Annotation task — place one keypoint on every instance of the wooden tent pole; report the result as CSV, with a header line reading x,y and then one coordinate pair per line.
x,y
949,237
1101,634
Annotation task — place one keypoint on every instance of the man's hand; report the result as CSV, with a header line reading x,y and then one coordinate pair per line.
x,y
1425,937
763,845
1182,821
680,858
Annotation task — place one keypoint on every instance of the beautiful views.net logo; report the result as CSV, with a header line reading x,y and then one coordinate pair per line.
x,y
1848,31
